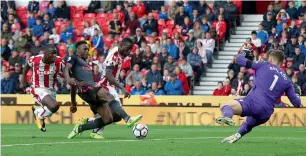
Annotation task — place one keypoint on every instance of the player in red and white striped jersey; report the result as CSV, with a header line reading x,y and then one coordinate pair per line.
x,y
45,71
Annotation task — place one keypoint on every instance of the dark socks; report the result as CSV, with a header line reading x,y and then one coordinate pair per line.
x,y
97,123
227,111
117,108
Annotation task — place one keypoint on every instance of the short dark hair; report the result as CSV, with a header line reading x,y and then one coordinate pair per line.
x,y
127,41
254,32
220,82
50,49
78,44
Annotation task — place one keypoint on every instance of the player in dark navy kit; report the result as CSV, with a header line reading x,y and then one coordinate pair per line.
x,y
270,83
79,75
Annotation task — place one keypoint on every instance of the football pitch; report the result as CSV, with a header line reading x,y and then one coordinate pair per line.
x,y
27,140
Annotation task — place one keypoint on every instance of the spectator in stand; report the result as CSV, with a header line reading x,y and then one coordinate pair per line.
x,y
139,37
158,46
94,25
273,33
55,36
97,41
5,33
5,7
194,59
301,41
153,76
137,58
227,88
163,57
115,26
150,26
219,4
147,58
186,68
284,39
202,53
293,29
298,59
296,87
238,83
135,75
93,7
15,58
11,44
157,62
201,8
277,6
179,18
21,43
177,38
195,16
174,86
292,11
70,44
120,12
205,25
66,34
51,10
33,6
183,49
283,15
219,90
15,26
172,49
35,50
182,76
269,11
129,86
7,84
38,29
301,75
210,16
132,24
163,15
47,24
62,11
301,10
45,39
170,64
290,48
96,74
173,10
279,27
262,34
138,89
187,8
152,44
153,6
256,41
5,50
231,76
303,48
246,90
246,75
231,9
234,66
156,90
268,24
289,72
186,26
276,46
190,41
208,46
28,34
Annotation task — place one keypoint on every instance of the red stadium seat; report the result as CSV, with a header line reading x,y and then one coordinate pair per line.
x,y
238,4
176,30
161,23
184,38
102,16
155,15
25,16
58,23
105,29
79,39
170,24
77,16
90,15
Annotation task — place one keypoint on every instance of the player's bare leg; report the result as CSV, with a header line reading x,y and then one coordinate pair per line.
x,y
49,106
229,109
116,108
105,119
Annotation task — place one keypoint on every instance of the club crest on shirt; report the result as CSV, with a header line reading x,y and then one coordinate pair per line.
x,y
69,58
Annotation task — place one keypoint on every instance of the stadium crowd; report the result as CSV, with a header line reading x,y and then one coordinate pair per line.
x,y
173,43
283,28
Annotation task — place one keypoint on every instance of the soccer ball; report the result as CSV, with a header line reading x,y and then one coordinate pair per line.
x,y
140,131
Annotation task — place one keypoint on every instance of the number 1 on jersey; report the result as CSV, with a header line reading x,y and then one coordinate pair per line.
x,y
274,82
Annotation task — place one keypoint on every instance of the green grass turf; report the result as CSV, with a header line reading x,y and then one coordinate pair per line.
x,y
161,141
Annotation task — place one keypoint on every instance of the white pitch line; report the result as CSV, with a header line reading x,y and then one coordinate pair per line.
x,y
165,139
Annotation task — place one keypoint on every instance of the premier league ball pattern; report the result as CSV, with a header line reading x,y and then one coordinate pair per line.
x,y
140,131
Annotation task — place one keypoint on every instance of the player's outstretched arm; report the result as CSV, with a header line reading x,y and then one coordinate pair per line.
x,y
293,97
24,72
112,80
242,61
